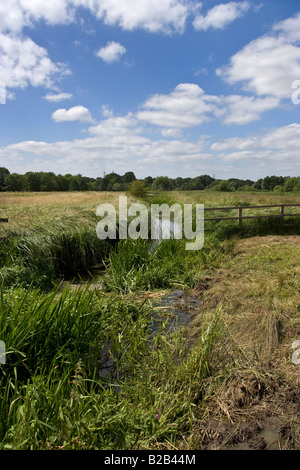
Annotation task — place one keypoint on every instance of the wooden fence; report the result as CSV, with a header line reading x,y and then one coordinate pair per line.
x,y
240,217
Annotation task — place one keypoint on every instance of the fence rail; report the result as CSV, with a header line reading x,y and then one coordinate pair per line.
x,y
240,210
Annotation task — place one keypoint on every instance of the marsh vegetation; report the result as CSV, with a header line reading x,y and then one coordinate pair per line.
x,y
83,368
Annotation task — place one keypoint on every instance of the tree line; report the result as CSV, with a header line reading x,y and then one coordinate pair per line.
x,y
49,181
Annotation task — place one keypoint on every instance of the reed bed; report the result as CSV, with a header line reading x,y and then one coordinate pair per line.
x,y
52,392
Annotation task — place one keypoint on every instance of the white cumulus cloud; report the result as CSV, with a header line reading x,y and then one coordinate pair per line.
x,y
112,52
186,106
221,15
245,109
25,63
269,64
152,15
279,146
77,113
57,97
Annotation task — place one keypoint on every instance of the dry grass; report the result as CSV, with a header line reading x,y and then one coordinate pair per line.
x,y
218,198
27,211
259,290
30,212
89,198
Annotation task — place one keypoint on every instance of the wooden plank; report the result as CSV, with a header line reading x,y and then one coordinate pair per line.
x,y
248,207
269,215
240,216
251,217
290,205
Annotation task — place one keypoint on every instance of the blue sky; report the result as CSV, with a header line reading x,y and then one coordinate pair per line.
x,y
158,87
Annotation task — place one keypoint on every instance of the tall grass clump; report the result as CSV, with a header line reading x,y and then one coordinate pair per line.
x,y
47,336
39,329
41,258
52,394
76,250
139,265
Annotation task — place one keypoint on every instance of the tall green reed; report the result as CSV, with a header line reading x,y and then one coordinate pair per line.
x,y
41,258
57,399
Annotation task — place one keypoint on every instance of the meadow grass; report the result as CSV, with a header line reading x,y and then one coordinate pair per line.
x,y
51,393
83,367
224,199
258,291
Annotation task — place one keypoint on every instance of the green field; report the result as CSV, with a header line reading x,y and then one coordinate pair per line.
x,y
84,368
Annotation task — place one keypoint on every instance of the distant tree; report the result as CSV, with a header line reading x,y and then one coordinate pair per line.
x,y
95,184
48,182
74,184
258,184
79,183
198,183
206,180
236,183
85,183
222,185
34,181
162,183
117,187
109,180
177,182
188,186
16,182
292,184
62,183
269,182
3,173
297,185
137,189
148,181
128,177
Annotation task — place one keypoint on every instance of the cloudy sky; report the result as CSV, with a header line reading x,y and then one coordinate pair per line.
x,y
158,87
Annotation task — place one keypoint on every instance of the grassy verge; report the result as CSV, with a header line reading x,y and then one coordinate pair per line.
x,y
84,369
258,289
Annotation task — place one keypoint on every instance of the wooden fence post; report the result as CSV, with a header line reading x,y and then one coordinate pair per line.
x,y
240,215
